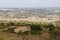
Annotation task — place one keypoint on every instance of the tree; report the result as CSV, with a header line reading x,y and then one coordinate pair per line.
x,y
35,29
50,26
55,33
51,30
11,30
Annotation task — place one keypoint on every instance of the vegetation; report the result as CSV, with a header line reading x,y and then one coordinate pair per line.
x,y
1,37
35,28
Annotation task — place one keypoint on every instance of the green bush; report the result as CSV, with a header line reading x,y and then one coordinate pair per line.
x,y
11,30
26,32
50,26
35,29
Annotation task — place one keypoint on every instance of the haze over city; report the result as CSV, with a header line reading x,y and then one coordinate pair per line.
x,y
29,3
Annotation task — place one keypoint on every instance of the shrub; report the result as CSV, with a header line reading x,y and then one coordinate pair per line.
x,y
11,30
50,26
26,32
35,29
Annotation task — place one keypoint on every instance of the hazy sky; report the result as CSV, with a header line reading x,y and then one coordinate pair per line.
x,y
29,3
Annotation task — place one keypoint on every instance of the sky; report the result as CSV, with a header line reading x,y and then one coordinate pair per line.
x,y
29,3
